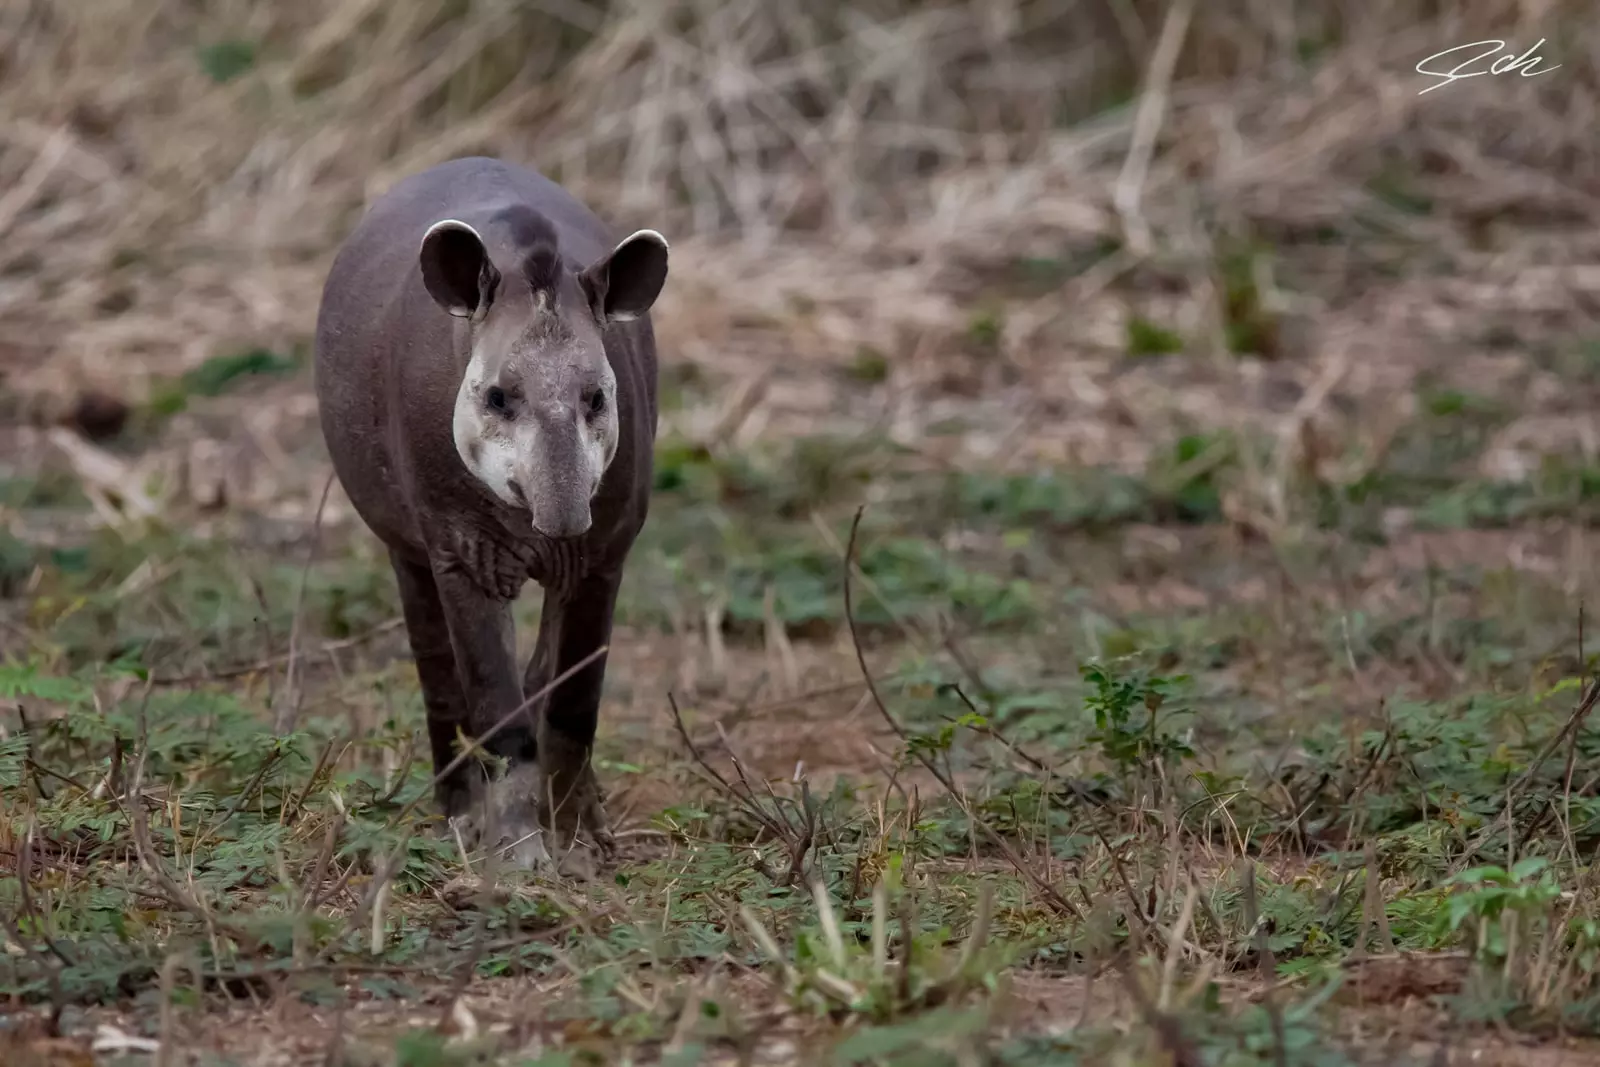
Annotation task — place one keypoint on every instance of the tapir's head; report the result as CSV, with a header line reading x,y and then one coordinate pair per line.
x,y
536,416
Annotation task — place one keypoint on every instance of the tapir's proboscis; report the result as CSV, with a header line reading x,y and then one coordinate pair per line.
x,y
486,379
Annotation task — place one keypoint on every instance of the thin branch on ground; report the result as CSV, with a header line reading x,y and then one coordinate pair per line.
x,y
797,839
289,709
1056,901
387,867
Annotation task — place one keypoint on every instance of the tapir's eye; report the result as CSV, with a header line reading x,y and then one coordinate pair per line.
x,y
497,399
597,404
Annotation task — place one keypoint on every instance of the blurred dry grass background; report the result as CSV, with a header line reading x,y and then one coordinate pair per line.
x,y
1003,234
838,179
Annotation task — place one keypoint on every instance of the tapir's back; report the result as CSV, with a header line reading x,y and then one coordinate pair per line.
x,y
385,378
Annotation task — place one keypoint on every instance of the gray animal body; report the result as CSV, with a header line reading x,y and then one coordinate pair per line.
x,y
486,381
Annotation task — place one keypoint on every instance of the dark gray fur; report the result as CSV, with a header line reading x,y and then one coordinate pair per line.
x,y
389,361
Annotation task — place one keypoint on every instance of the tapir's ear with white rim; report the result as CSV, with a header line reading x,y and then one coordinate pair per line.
x,y
623,285
456,269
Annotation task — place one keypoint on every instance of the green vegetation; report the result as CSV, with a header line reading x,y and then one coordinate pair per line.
x,y
1171,709
1138,814
1145,338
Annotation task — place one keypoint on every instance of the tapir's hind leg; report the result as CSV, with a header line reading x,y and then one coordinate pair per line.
x,y
570,630
441,688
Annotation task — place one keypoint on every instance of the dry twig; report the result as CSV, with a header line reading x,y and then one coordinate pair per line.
x,y
1056,901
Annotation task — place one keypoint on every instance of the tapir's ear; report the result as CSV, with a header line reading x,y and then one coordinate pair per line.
x,y
456,268
623,285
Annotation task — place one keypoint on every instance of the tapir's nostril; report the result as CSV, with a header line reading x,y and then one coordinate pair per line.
x,y
566,526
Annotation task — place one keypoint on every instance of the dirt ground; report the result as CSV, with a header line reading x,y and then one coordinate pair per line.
x,y
1336,339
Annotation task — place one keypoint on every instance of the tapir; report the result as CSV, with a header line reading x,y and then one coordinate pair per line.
x,y
485,372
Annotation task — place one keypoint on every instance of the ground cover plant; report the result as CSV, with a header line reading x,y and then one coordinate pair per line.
x,y
1116,589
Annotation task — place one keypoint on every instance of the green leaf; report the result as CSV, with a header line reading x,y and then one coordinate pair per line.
x,y
226,60
1528,867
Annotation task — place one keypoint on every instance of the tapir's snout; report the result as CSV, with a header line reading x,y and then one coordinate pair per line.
x,y
558,509
566,524
556,486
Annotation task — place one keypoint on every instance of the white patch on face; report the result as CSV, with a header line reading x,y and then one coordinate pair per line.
x,y
600,438
479,431
509,451
594,456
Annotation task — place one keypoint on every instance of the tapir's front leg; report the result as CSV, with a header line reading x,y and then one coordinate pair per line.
x,y
483,637
459,789
571,629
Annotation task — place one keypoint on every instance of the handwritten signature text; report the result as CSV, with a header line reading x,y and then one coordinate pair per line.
x,y
1523,64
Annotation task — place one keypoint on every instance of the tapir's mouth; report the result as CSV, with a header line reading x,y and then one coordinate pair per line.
x,y
571,530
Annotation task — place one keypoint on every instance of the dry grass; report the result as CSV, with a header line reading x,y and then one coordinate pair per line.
x,y
832,175
986,201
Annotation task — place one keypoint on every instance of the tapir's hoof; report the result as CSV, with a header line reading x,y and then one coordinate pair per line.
x,y
506,819
514,798
581,841
515,810
583,858
578,861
